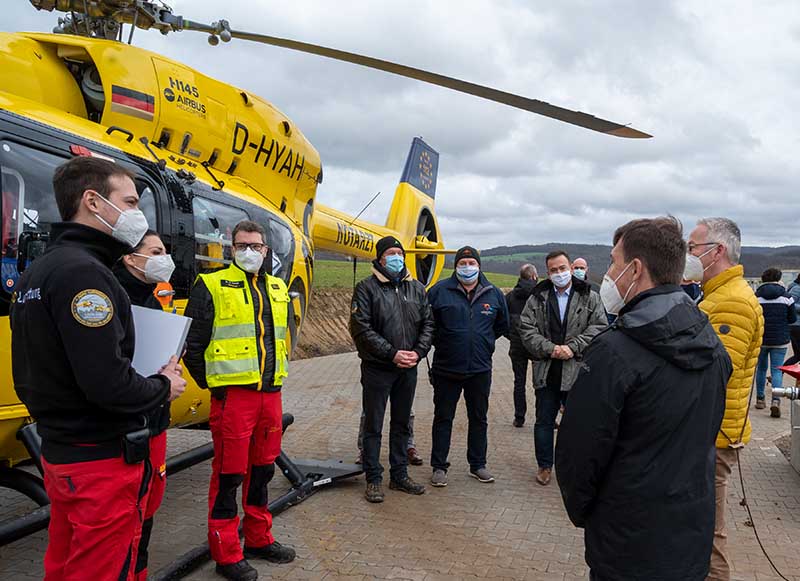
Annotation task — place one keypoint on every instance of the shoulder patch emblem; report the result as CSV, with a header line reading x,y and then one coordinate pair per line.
x,y
92,308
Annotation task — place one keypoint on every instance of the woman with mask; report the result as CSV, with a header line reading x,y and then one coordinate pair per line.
x,y
139,272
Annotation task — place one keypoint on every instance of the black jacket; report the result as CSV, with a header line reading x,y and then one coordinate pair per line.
x,y
779,313
201,309
141,295
140,292
466,328
636,448
515,300
388,315
72,344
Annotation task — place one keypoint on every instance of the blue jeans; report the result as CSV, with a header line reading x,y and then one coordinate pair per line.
x,y
776,355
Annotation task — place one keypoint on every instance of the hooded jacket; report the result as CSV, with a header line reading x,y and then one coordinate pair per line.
x,y
736,316
793,290
466,328
779,313
586,317
390,314
515,301
635,455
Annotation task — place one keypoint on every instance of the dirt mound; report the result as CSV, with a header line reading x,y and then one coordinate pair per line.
x,y
325,328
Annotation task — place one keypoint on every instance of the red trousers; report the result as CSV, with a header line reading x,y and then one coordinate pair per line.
x,y
95,519
246,427
158,483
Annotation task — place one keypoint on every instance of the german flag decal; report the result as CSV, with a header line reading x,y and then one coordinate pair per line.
x,y
134,103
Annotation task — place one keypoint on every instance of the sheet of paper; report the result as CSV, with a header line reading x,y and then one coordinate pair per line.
x,y
159,336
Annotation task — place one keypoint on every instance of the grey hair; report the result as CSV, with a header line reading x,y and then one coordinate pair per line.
x,y
724,231
528,271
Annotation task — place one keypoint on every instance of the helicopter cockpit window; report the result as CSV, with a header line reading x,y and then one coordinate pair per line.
x,y
213,227
147,204
27,203
282,244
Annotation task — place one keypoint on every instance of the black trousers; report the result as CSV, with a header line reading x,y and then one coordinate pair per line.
x,y
379,385
446,393
549,400
519,365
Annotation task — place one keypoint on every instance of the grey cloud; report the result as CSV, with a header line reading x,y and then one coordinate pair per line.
x,y
716,87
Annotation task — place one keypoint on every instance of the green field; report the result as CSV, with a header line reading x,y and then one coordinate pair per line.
x,y
339,274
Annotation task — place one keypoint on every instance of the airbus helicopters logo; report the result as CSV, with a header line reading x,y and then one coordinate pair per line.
x,y
185,96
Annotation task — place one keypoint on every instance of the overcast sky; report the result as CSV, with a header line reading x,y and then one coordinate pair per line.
x,y
716,83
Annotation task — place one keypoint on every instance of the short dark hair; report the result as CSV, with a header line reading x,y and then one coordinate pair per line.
x,y
249,226
658,243
79,174
556,254
146,235
772,274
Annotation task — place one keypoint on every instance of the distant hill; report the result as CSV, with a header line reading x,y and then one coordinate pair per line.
x,y
508,259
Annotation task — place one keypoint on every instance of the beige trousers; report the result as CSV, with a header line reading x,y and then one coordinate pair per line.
x,y
720,566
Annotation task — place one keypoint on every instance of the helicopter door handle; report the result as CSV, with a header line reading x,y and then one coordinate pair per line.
x,y
128,134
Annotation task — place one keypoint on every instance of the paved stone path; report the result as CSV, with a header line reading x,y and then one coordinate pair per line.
x,y
511,529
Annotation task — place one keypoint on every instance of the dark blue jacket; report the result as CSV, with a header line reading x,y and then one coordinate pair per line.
x,y
465,331
779,313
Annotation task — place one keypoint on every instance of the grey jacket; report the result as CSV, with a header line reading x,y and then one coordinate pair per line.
x,y
586,317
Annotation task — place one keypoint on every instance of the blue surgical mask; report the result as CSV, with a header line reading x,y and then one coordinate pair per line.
x,y
467,274
395,263
579,273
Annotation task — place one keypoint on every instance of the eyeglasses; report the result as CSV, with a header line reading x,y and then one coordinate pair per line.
x,y
242,246
691,245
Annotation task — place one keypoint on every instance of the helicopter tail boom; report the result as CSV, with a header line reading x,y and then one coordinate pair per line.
x,y
411,219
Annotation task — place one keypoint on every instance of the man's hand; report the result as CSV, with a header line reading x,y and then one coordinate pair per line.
x,y
405,359
562,352
174,372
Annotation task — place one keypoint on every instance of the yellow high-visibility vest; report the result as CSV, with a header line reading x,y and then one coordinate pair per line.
x,y
232,355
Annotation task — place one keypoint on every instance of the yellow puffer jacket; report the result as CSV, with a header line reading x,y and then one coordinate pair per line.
x,y
738,319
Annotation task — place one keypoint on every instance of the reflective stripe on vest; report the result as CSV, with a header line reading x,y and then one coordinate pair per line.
x,y
232,354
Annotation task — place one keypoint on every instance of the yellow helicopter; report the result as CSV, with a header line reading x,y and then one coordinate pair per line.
x,y
206,155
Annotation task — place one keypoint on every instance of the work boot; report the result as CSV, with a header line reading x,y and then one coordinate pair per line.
x,y
543,476
775,408
519,422
760,403
241,571
439,478
407,485
274,553
374,492
482,475
414,458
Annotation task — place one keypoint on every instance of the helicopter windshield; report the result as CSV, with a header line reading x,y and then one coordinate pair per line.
x,y
28,204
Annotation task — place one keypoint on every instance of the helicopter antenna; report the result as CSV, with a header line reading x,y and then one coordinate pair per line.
x,y
162,164
364,208
219,182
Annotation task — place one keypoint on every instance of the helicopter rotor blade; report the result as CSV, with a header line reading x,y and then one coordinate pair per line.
x,y
533,105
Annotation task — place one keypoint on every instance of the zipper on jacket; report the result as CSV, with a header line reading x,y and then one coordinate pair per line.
x,y
244,292
260,334
402,314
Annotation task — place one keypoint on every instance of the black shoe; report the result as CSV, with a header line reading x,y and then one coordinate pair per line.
x,y
374,492
241,571
407,485
274,553
518,423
